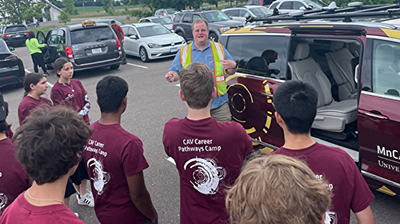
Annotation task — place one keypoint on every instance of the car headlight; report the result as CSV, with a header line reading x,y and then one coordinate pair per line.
x,y
153,45
223,29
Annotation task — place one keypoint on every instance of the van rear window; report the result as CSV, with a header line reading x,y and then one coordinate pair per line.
x,y
15,29
94,34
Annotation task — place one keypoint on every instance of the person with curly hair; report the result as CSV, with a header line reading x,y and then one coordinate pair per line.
x,y
49,147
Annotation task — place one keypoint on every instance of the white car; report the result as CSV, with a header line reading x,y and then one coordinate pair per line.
x,y
240,13
286,6
151,41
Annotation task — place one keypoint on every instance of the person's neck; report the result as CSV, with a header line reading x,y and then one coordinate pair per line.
x,y
198,114
49,193
34,95
64,80
297,141
200,45
110,118
2,136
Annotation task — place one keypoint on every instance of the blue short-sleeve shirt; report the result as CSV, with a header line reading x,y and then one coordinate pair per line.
x,y
204,57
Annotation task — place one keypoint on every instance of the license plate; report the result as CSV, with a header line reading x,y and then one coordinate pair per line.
x,y
96,50
173,49
17,35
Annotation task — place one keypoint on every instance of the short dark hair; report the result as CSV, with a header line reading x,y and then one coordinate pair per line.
x,y
197,84
31,34
111,90
31,78
268,52
50,141
296,102
59,64
112,21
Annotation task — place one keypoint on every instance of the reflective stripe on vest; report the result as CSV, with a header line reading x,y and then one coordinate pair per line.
x,y
218,53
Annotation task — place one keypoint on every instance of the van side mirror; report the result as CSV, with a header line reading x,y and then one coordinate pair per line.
x,y
133,36
11,48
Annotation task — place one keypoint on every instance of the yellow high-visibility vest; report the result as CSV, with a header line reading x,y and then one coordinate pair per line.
x,y
219,72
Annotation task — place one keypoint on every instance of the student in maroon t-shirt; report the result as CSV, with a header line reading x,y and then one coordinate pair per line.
x,y
35,85
349,189
14,179
49,147
208,154
115,161
70,92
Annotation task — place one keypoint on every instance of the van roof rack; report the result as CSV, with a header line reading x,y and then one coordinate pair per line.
x,y
353,10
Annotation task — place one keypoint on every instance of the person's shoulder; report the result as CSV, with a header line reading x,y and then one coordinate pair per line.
x,y
333,152
66,216
76,81
47,101
230,126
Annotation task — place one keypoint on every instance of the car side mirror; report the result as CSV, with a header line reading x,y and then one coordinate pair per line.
x,y
302,8
11,48
133,36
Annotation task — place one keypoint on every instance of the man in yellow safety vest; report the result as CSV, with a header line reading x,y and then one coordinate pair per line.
x,y
216,57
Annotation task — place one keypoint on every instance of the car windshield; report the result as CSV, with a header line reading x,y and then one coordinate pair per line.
x,y
15,29
315,3
3,47
215,16
261,11
148,31
171,11
163,20
91,35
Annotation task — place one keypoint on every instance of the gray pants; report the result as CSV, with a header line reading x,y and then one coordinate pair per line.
x,y
123,52
222,113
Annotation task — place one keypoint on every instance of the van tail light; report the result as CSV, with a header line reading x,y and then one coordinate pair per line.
x,y
68,52
6,35
119,45
26,33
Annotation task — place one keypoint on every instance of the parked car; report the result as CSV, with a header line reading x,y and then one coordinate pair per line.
x,y
11,67
108,21
88,45
355,68
165,12
163,20
241,13
286,6
218,22
15,35
265,3
151,41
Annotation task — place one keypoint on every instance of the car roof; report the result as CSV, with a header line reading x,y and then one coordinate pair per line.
x,y
141,24
155,17
18,25
370,28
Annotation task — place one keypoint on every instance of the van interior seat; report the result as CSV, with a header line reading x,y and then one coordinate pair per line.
x,y
331,116
340,64
387,78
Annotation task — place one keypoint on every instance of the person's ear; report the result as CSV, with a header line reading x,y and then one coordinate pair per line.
x,y
214,93
181,96
278,118
32,86
97,101
125,100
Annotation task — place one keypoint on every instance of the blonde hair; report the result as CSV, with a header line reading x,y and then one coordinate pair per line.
x,y
198,21
277,189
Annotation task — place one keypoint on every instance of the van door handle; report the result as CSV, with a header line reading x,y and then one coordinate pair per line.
x,y
267,94
375,115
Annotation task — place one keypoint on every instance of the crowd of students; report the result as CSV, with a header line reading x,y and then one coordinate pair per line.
x,y
55,145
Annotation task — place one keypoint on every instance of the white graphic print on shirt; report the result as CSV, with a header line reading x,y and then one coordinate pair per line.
x,y
206,174
100,178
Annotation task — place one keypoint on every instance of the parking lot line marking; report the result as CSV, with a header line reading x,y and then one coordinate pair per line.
x,y
51,85
27,71
140,66
178,85
170,159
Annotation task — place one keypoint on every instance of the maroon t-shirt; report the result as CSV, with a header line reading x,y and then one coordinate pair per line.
x,y
209,156
350,191
111,155
21,212
29,103
72,94
13,178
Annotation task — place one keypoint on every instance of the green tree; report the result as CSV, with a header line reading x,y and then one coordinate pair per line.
x,y
108,6
70,7
18,11
64,17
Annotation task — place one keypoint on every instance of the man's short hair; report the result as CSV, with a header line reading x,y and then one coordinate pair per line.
x,y
111,90
197,84
50,142
112,21
296,102
277,189
199,20
268,52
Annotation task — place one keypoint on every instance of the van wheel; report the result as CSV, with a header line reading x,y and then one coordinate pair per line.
x,y
213,37
114,67
143,54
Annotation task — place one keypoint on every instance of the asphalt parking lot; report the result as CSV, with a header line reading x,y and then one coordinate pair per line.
x,y
152,101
